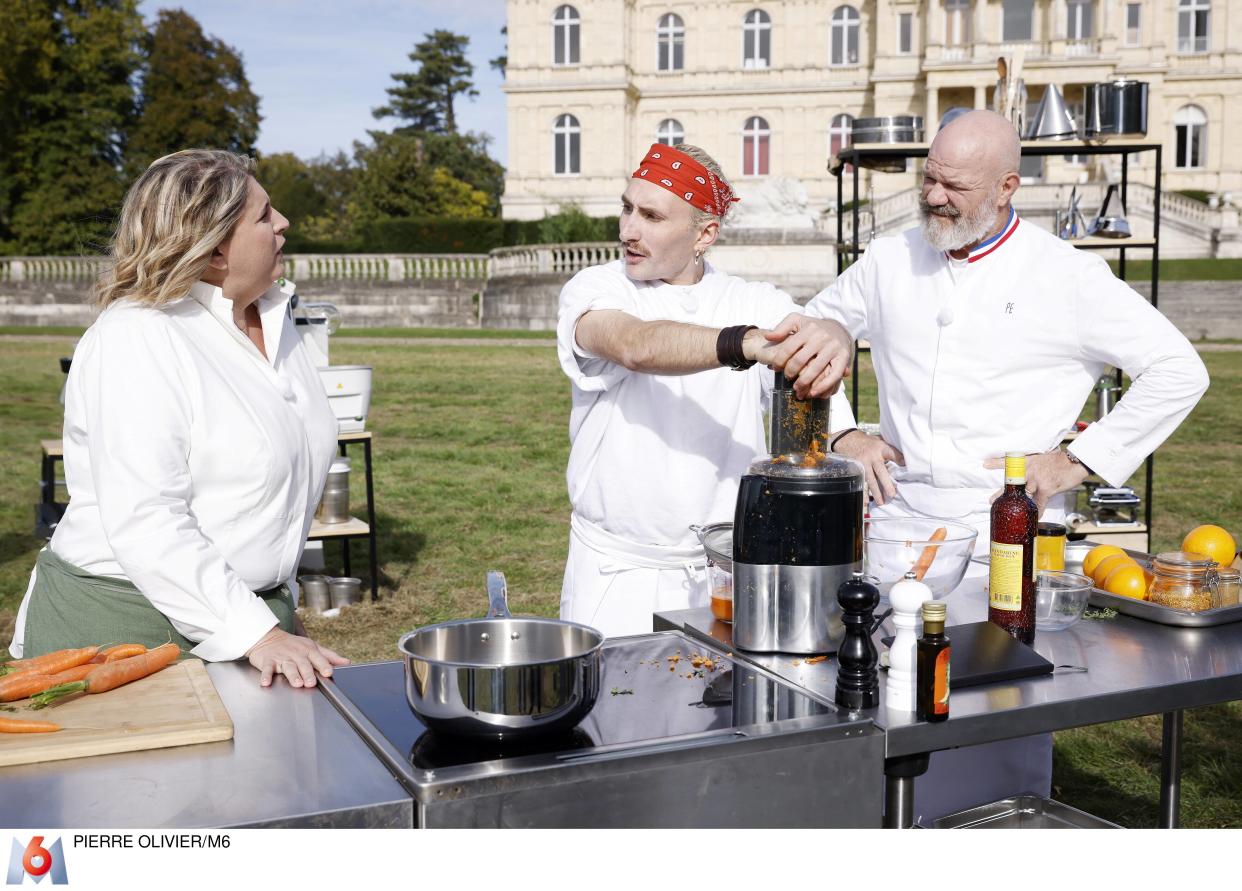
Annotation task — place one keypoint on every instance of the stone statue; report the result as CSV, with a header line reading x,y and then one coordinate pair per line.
x,y
776,202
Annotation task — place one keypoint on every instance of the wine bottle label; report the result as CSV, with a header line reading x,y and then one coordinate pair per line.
x,y
1005,577
940,692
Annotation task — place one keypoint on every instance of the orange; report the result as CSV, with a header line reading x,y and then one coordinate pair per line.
x,y
1128,580
1211,541
1095,555
1108,564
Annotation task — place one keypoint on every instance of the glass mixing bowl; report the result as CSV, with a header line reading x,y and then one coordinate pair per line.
x,y
893,546
1060,598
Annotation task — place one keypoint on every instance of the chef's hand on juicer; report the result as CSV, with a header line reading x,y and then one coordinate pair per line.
x,y
874,454
815,353
297,658
1047,474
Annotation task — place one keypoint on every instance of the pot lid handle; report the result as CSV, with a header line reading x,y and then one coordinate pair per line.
x,y
497,595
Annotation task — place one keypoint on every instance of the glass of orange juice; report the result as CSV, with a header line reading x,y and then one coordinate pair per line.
x,y
1050,546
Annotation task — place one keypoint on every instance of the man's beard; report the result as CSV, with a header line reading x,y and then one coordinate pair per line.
x,y
961,230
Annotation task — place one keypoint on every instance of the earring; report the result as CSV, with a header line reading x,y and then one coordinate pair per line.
x,y
697,254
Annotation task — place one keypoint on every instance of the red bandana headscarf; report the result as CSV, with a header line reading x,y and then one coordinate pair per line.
x,y
686,178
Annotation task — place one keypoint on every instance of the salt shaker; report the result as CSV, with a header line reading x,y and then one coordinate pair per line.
x,y
906,598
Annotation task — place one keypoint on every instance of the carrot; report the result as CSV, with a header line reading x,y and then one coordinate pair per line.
x,y
120,651
28,683
51,663
929,553
16,725
111,675
23,684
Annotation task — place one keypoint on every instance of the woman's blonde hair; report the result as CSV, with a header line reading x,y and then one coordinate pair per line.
x,y
176,213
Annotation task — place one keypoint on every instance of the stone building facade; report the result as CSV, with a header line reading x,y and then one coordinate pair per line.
x,y
769,87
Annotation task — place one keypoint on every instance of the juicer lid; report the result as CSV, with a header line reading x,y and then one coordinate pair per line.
x,y
813,465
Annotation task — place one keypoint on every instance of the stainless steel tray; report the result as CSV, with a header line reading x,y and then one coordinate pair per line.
x,y
1023,812
1166,615
1155,612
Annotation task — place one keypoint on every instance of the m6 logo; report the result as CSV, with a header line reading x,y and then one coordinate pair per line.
x,y
37,861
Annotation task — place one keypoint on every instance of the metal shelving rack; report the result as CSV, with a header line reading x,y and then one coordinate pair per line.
x,y
848,252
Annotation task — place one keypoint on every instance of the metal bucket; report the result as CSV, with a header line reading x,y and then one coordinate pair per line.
x,y
334,505
501,677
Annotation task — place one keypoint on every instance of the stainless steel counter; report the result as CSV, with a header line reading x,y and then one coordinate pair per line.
x,y
293,761
1133,668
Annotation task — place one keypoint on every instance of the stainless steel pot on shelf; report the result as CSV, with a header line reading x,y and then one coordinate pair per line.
x,y
502,677
1116,108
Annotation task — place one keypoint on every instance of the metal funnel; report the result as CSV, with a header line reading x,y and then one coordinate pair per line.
x,y
1052,120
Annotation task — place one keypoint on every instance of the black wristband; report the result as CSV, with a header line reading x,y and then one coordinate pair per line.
x,y
832,445
729,351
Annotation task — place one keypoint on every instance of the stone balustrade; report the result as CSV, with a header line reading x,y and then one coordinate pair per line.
x,y
552,259
50,269
386,267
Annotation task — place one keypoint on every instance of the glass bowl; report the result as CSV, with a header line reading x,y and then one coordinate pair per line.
x,y
893,545
1060,598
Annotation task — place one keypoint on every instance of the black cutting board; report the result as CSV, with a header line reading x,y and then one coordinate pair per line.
x,y
983,653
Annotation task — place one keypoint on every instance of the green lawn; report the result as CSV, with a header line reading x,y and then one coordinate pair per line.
x,y
470,451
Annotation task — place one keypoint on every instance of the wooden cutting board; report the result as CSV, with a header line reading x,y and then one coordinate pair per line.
x,y
174,707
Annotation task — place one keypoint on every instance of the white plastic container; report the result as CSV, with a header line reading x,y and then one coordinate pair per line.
x,y
349,393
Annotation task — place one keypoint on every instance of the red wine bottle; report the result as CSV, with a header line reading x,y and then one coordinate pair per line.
x,y
1011,577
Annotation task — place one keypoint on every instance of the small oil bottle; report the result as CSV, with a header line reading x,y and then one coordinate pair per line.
x,y
933,665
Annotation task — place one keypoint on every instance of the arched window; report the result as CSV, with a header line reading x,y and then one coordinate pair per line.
x,y
1081,18
567,139
1192,25
1190,124
755,137
957,22
670,132
756,39
1017,20
670,43
844,36
565,23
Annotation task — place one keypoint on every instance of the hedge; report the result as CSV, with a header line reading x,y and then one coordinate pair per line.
x,y
443,235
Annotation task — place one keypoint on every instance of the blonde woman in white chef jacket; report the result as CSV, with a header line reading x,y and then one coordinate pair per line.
x,y
197,437
987,335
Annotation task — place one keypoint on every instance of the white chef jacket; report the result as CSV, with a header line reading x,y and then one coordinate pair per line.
x,y
653,453
998,352
194,465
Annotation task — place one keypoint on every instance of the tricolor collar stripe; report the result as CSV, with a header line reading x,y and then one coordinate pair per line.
x,y
996,240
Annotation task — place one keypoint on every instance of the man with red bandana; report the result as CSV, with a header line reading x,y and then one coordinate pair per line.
x,y
661,349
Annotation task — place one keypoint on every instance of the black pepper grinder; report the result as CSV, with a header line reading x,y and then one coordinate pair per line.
x,y
858,681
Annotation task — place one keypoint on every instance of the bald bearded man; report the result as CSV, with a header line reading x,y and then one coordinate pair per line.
x,y
987,335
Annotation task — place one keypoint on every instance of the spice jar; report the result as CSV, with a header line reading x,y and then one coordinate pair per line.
x,y
1184,581
1228,587
1050,546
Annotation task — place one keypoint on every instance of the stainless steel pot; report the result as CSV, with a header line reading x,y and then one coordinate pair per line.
x,y
1116,108
501,677
893,128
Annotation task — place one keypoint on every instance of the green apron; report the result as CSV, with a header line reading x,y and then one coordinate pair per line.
x,y
72,608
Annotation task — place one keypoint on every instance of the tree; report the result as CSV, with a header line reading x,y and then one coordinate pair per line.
x,y
501,62
66,102
194,94
399,176
314,195
424,98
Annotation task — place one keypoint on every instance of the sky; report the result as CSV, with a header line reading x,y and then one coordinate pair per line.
x,y
320,66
